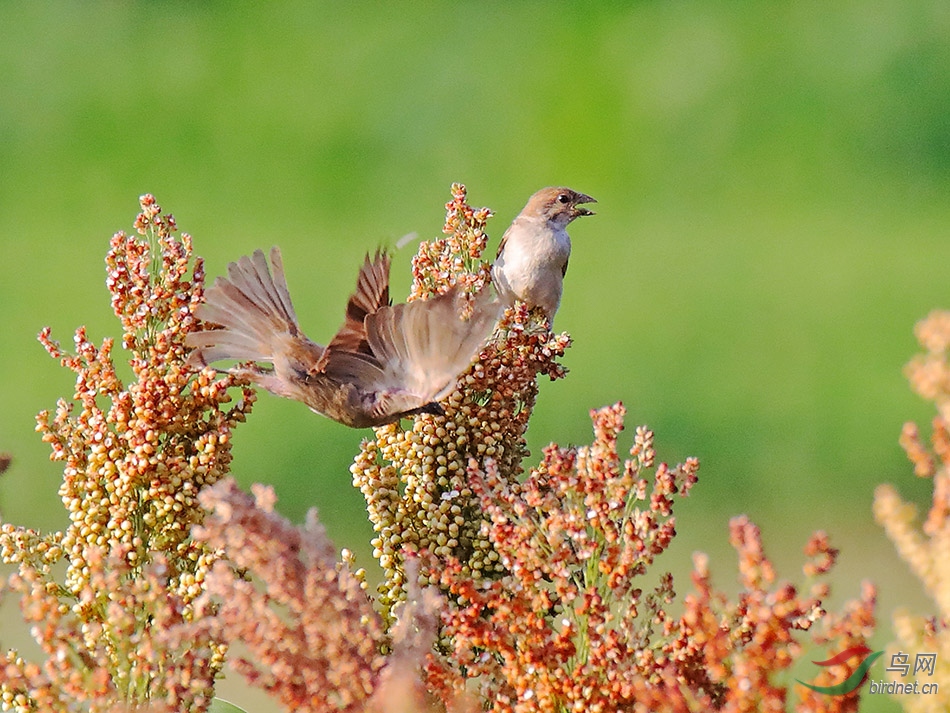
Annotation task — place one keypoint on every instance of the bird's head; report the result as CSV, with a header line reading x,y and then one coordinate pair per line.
x,y
558,205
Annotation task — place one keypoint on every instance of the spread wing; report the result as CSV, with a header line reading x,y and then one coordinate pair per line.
x,y
423,346
372,292
417,351
254,314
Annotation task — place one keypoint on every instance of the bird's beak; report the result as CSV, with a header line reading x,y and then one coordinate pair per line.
x,y
583,198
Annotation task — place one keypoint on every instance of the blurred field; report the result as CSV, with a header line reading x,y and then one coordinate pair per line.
x,y
772,220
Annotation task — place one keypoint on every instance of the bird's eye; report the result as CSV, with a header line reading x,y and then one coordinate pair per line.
x,y
563,198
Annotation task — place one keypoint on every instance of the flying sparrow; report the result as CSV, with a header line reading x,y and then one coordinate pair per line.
x,y
532,258
385,363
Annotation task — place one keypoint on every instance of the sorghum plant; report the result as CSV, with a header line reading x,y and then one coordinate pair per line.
x,y
926,548
134,459
313,637
568,627
564,626
310,634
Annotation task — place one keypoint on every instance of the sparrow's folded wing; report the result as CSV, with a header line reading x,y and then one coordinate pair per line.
x,y
501,245
361,370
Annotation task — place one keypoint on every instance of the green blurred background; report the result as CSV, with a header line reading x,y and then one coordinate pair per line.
x,y
773,218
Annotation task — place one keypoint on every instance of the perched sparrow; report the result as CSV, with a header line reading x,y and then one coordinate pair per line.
x,y
534,251
386,362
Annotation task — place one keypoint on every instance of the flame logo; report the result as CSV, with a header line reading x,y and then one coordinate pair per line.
x,y
852,681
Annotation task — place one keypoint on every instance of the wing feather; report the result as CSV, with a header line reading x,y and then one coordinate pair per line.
x,y
423,346
372,293
254,314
